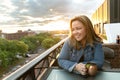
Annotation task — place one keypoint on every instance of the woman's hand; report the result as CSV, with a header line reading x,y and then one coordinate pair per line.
x,y
91,69
81,68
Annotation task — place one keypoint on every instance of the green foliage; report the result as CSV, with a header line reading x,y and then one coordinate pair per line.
x,y
22,47
40,39
42,36
47,40
30,41
34,41
10,48
4,58
45,35
56,39
3,44
47,43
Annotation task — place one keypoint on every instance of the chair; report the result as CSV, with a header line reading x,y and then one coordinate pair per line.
x,y
112,56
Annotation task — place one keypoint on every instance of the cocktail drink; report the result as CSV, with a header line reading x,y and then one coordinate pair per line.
x,y
91,69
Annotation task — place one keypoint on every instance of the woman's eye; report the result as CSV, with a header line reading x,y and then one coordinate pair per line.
x,y
79,28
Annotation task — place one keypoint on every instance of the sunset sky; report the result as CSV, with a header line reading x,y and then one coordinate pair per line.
x,y
32,13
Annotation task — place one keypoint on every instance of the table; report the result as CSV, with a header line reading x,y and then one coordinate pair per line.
x,y
60,74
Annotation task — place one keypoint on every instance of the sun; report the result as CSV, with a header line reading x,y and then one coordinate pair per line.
x,y
57,25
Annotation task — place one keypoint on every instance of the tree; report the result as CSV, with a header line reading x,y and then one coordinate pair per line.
x,y
47,43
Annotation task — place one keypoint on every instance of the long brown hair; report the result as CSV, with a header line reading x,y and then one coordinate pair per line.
x,y
91,36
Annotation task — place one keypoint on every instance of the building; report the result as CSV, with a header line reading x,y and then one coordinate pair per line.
x,y
17,35
108,12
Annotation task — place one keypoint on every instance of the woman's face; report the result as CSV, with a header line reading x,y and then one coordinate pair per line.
x,y
78,30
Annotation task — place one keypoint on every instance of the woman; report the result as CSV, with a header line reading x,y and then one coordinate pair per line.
x,y
82,47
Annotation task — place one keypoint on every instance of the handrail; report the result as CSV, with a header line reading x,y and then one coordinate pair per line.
x,y
34,68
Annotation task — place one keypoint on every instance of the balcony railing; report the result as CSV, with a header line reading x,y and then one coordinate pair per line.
x,y
35,68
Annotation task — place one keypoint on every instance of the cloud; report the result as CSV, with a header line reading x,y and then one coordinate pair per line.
x,y
26,11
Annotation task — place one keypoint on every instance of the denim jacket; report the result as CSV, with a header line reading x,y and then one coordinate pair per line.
x,y
69,56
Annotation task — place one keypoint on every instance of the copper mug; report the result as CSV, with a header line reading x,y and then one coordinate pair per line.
x,y
91,69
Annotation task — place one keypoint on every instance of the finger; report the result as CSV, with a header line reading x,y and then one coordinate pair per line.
x,y
84,69
83,73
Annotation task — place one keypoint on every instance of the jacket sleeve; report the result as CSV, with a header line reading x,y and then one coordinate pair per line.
x,y
98,56
64,57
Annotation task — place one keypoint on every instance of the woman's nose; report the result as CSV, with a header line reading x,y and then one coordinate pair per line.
x,y
76,31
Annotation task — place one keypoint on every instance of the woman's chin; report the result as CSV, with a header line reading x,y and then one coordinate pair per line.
x,y
78,39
